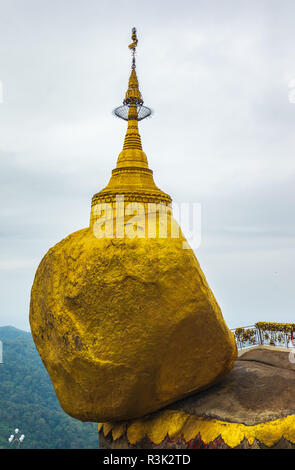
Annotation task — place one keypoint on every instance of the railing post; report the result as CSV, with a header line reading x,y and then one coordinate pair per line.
x,y
260,337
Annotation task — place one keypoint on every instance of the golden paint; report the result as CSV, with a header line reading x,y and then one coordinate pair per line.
x,y
118,430
174,424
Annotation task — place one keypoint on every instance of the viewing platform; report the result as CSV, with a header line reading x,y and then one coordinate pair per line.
x,y
267,334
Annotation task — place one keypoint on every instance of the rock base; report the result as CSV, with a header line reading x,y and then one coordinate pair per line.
x,y
253,407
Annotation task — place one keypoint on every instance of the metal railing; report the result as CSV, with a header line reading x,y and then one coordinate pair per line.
x,y
253,335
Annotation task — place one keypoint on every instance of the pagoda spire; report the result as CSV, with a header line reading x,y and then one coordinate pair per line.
x,y
133,109
132,177
133,99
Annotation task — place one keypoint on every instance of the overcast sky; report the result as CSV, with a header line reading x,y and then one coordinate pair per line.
x,y
217,75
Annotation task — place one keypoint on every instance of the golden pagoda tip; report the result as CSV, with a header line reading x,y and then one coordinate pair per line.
x,y
133,108
133,45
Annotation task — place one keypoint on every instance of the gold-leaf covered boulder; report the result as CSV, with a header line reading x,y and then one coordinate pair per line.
x,y
125,327
126,323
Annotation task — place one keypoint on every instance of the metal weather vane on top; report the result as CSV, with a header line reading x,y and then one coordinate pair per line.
x,y
133,45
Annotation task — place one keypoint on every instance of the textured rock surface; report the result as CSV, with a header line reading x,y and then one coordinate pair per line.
x,y
259,388
253,407
126,326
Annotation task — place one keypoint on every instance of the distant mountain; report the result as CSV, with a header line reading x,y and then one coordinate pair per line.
x,y
28,400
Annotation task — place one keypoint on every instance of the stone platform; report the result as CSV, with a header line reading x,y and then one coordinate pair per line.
x,y
253,407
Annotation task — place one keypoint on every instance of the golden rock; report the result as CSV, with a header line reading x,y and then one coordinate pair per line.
x,y
126,323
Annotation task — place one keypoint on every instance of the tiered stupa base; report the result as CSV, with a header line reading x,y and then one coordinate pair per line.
x,y
253,407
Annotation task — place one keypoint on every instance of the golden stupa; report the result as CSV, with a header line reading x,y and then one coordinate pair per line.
x,y
121,313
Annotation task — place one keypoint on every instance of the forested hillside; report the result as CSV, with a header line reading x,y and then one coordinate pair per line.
x,y
28,401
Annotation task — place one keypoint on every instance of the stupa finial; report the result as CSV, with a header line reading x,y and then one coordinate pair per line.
x,y
132,177
133,108
133,45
